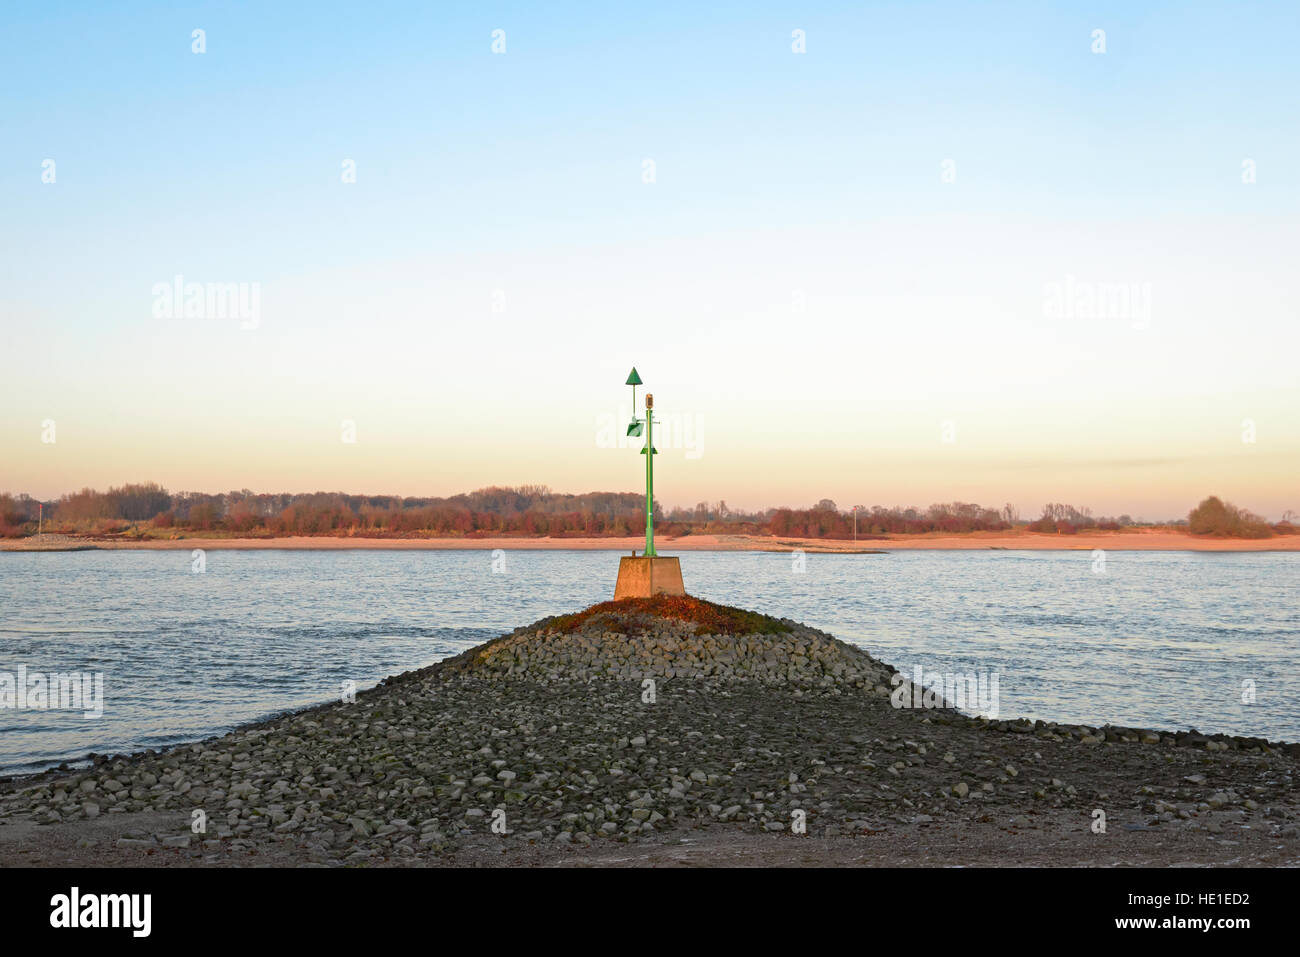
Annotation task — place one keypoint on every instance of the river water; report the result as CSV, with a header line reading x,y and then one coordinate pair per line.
x,y
1154,639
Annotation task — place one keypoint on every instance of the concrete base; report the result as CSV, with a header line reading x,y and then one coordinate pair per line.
x,y
643,577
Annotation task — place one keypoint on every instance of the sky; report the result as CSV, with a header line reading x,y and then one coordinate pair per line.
x,y
949,252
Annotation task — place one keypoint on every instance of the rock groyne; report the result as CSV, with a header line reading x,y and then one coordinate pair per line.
x,y
650,724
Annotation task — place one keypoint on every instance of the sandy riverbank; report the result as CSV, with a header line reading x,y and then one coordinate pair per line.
x,y
1143,540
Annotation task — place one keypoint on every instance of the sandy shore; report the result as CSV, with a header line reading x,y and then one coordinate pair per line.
x,y
1153,540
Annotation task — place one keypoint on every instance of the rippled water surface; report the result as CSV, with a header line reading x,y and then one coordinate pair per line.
x,y
1161,639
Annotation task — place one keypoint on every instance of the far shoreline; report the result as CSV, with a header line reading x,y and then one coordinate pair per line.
x,y
1146,540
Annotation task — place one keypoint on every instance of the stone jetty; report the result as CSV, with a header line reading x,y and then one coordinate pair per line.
x,y
662,727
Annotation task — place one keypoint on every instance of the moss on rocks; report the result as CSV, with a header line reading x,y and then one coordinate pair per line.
x,y
639,614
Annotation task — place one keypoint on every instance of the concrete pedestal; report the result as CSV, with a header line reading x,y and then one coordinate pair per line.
x,y
642,577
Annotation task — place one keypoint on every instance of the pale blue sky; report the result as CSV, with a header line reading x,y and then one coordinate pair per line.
x,y
776,172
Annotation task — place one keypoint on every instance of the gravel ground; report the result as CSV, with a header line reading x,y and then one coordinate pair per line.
x,y
775,749
46,542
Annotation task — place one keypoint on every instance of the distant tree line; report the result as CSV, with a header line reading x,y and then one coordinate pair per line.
x,y
1068,520
526,510
826,521
149,509
1216,517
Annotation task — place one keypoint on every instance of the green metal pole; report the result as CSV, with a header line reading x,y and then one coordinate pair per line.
x,y
649,483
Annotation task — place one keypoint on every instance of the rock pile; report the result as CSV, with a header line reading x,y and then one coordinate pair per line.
x,y
631,643
546,737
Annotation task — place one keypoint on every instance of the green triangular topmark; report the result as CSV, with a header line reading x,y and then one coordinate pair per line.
x,y
634,379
